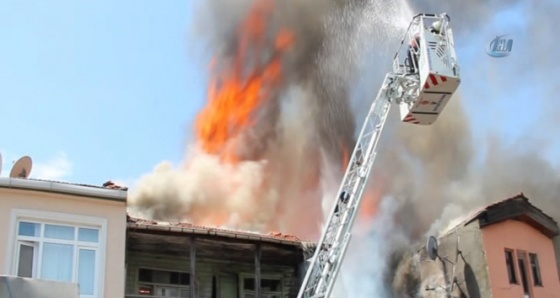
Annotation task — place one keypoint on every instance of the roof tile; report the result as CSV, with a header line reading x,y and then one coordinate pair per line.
x,y
271,235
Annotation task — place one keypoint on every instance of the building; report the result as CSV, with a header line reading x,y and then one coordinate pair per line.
x,y
64,232
76,234
14,286
167,259
505,250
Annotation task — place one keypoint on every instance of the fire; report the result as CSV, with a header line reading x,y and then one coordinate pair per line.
x,y
372,199
239,87
370,204
345,157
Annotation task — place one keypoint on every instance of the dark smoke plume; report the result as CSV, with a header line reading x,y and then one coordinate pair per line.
x,y
322,63
431,174
449,169
293,153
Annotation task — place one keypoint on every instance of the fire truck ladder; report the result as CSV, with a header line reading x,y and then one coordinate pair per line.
x,y
329,254
403,88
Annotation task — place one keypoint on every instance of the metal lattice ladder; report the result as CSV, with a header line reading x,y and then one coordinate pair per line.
x,y
326,262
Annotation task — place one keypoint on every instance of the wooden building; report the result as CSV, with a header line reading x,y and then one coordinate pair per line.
x,y
184,260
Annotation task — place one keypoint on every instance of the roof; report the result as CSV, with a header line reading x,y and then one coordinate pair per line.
x,y
516,208
189,228
109,191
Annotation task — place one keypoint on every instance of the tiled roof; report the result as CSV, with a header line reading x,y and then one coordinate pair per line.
x,y
477,213
519,197
186,227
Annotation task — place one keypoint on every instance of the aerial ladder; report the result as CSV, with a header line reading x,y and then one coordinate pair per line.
x,y
424,77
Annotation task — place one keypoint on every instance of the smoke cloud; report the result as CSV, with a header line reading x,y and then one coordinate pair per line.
x,y
429,176
293,153
441,173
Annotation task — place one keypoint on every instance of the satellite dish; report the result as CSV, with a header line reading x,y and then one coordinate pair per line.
x,y
432,248
22,168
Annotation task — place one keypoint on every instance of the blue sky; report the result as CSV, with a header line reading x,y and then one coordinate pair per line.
x,y
101,91
108,90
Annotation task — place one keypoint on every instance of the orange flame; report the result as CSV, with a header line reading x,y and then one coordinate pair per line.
x,y
345,157
372,198
370,204
236,92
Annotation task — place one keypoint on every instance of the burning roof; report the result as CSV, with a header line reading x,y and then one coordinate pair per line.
x,y
188,228
276,125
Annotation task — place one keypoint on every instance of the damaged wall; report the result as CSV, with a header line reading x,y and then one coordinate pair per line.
x,y
462,246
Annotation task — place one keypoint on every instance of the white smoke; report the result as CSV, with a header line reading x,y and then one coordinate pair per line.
x,y
172,193
366,266
435,174
381,26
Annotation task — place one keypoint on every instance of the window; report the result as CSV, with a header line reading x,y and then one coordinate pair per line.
x,y
46,248
271,287
535,269
522,263
163,283
510,266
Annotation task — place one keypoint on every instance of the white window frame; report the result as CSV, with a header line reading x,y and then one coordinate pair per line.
x,y
156,284
46,217
242,277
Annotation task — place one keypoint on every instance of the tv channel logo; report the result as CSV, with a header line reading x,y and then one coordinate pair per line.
x,y
500,46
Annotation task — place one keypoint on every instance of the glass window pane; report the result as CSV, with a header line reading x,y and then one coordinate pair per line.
x,y
536,270
145,275
29,229
249,284
59,232
185,279
25,262
86,271
57,262
271,285
88,235
162,277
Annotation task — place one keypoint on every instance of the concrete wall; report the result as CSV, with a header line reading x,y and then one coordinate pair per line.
x,y
520,236
113,211
205,271
471,272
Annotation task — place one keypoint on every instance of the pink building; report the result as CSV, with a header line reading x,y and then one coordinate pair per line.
x,y
506,250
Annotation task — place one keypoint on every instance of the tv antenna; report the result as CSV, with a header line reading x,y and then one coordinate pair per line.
x,y
432,247
22,168
432,250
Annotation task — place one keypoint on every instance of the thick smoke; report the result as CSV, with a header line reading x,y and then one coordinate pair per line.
x,y
431,175
450,167
444,172
293,153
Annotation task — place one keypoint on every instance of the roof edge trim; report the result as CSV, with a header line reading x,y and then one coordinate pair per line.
x,y
209,232
64,188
